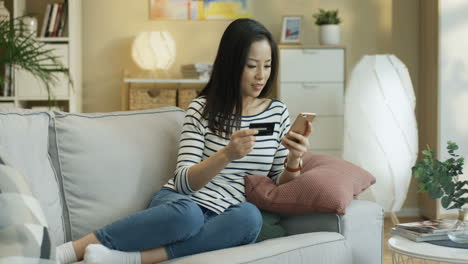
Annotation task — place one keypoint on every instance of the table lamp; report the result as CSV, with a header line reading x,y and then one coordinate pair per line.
x,y
154,51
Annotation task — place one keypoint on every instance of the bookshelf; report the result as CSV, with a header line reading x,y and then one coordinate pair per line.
x,y
29,92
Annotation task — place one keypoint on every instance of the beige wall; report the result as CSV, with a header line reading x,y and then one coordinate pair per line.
x,y
369,27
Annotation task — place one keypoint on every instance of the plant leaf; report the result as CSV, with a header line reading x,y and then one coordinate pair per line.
x,y
445,201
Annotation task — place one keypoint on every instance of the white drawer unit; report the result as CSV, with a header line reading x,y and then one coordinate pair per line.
x,y
312,80
59,50
328,97
312,65
31,88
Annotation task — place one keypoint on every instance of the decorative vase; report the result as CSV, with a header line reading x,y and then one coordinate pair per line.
x,y
29,26
4,13
460,234
329,34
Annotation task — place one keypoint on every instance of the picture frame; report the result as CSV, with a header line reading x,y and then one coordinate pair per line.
x,y
291,30
198,9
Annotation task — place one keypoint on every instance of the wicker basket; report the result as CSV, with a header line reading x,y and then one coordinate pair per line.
x,y
145,98
186,95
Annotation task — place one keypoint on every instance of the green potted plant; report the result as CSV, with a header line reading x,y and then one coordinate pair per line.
x,y
329,30
441,180
24,51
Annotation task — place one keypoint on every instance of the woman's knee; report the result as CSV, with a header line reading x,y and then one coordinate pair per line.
x,y
188,216
250,216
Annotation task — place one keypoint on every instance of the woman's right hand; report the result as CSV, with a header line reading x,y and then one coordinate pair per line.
x,y
241,144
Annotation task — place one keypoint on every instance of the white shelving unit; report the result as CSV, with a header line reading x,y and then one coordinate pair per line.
x,y
312,79
28,91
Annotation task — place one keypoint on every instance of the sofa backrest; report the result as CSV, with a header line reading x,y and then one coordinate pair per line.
x,y
109,165
23,145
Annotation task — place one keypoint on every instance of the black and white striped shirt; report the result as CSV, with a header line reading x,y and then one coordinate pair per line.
x,y
197,143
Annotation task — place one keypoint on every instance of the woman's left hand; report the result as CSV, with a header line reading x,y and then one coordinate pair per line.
x,y
296,143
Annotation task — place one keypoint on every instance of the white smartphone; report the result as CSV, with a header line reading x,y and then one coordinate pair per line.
x,y
300,124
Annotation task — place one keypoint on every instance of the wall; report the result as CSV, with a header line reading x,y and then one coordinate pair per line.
x,y
369,27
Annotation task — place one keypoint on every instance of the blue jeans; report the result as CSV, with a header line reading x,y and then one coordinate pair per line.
x,y
177,223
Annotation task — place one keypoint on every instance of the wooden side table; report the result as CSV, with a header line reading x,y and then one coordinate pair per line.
x,y
128,81
406,251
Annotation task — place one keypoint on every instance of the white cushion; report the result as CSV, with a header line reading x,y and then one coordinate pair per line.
x,y
111,164
23,144
316,248
23,227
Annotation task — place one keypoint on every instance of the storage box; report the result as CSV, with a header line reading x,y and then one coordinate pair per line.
x,y
186,95
146,98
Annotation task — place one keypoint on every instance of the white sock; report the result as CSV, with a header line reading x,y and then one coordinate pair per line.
x,y
65,253
96,253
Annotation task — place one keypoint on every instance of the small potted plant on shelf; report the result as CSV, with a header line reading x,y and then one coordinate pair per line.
x,y
329,29
24,51
441,179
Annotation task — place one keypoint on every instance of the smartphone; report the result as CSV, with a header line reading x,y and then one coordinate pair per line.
x,y
300,124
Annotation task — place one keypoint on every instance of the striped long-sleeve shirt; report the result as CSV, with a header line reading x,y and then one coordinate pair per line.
x,y
227,188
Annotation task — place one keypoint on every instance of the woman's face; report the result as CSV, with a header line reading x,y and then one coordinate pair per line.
x,y
257,69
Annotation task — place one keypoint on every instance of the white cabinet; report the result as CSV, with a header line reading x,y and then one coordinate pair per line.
x,y
312,80
28,90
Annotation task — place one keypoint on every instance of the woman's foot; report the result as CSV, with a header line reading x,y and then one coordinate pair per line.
x,y
96,253
65,253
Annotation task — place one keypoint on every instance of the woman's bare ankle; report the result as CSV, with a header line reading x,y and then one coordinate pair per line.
x,y
80,245
154,256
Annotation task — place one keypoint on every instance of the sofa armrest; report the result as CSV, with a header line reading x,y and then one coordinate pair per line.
x,y
362,227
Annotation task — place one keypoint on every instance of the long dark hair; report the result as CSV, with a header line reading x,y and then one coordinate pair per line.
x,y
223,108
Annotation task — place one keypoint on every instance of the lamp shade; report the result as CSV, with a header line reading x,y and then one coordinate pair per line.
x,y
154,50
380,127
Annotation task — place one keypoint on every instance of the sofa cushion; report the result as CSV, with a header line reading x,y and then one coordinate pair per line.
x,y
23,145
326,185
111,164
317,248
271,227
23,226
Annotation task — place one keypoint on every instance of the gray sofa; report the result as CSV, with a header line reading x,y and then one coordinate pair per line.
x,y
88,170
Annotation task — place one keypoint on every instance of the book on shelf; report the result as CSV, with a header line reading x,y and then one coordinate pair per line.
x,y
45,20
63,19
418,237
57,19
54,21
197,70
438,226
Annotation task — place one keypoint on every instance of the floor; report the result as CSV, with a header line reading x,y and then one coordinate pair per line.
x,y
387,225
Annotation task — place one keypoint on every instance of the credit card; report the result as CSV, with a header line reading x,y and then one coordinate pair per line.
x,y
264,129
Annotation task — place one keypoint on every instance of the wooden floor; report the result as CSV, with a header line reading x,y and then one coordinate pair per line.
x,y
387,225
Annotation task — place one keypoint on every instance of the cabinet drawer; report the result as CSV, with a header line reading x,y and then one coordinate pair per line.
x,y
28,87
327,133
320,98
311,65
59,50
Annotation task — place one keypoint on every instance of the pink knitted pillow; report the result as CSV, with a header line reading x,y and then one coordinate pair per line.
x,y
326,185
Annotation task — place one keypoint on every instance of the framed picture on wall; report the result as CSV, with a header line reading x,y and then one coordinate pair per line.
x,y
291,31
198,9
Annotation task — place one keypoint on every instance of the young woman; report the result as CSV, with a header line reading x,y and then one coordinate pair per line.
x,y
203,207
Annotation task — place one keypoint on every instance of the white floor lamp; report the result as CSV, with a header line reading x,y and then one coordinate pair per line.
x,y
380,128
